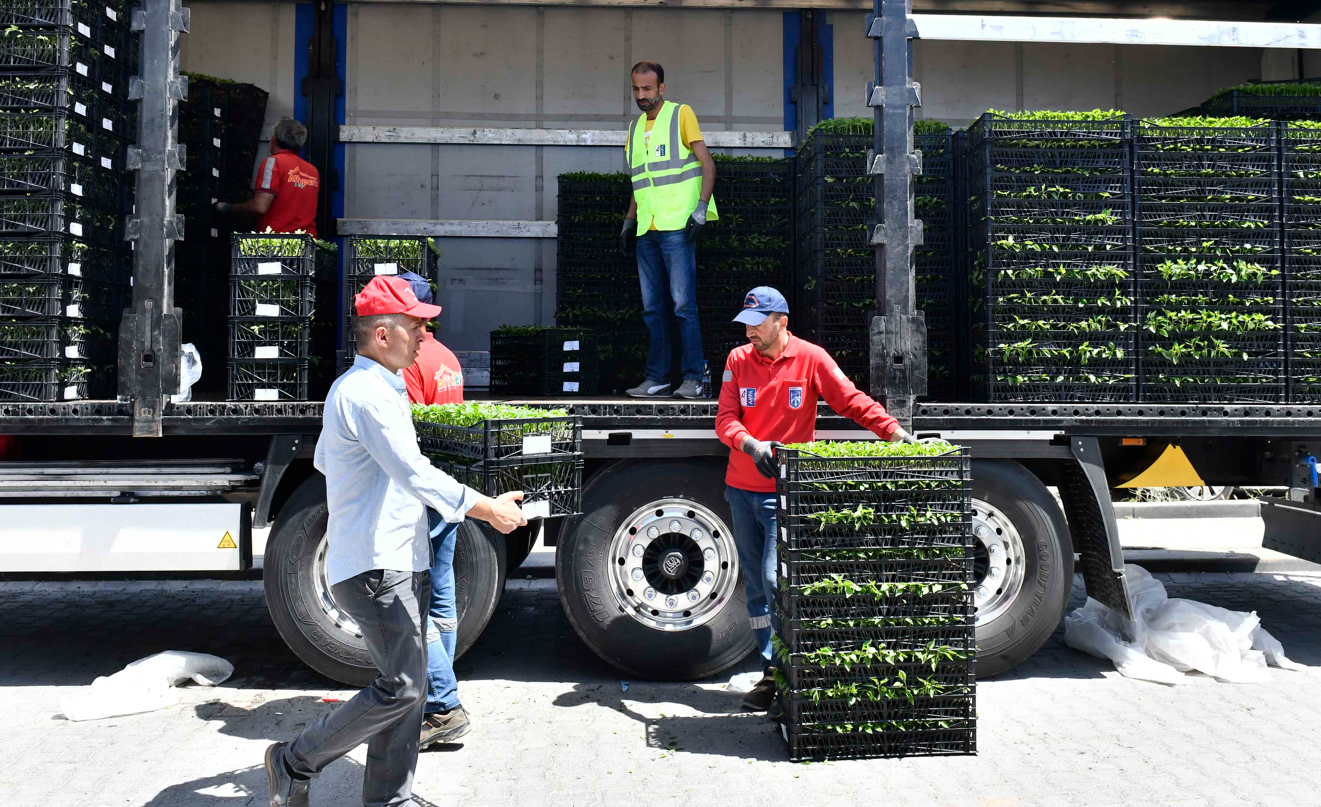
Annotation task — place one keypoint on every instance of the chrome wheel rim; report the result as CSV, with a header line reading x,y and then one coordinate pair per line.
x,y
321,583
673,565
999,561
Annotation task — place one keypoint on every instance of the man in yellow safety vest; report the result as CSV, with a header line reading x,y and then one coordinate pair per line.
x,y
673,176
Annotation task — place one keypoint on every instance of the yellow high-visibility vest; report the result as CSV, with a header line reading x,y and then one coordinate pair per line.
x,y
667,178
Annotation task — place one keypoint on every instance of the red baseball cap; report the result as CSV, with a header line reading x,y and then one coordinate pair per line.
x,y
390,294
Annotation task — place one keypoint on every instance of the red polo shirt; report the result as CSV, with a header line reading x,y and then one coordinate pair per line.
x,y
776,400
435,377
296,185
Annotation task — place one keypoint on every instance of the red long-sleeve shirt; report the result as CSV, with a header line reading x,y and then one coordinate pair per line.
x,y
435,377
776,400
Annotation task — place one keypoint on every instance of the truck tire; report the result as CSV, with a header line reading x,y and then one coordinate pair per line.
x,y
665,636
1023,567
304,612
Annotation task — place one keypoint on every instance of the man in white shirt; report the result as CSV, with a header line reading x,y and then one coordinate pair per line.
x,y
378,486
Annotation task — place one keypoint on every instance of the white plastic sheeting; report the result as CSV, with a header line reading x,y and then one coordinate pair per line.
x,y
1172,637
145,685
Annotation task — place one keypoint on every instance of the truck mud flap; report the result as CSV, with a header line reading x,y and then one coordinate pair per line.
x,y
1293,528
1086,496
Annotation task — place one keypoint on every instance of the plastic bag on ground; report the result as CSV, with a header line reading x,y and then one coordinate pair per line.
x,y
1169,637
145,685
743,682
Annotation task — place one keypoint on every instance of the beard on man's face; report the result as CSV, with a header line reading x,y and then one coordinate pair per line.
x,y
648,104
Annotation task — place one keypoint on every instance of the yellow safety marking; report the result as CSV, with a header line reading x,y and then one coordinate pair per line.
x,y
227,542
1170,470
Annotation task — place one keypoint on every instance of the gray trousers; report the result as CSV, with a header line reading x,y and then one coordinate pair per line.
x,y
389,607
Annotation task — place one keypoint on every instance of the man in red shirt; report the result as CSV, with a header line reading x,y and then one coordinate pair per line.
x,y
435,378
769,396
288,187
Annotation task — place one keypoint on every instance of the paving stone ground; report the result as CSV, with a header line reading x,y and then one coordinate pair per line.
x,y
555,727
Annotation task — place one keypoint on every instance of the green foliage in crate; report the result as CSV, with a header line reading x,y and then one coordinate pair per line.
x,y
472,413
1059,115
409,249
869,654
271,244
863,126
1300,90
841,586
873,448
883,726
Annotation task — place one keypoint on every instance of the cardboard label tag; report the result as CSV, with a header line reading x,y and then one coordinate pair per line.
x,y
570,386
215,172
76,269
571,345
111,13
109,51
107,164
75,228
81,68
386,268
268,310
539,509
536,444
85,29
71,352
107,87
215,233
74,311
107,124
270,268
266,352
216,110
215,141
80,108
76,189
262,394
70,393
571,367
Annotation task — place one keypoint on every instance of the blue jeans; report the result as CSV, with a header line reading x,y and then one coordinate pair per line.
x,y
667,271
442,617
754,536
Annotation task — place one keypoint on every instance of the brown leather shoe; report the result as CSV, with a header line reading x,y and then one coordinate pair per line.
x,y
761,696
445,727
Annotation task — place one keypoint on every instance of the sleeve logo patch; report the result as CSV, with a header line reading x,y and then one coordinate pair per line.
x,y
660,150
729,375
795,397
748,395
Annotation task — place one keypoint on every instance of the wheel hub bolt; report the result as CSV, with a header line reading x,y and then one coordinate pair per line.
x,y
637,550
649,593
982,532
652,532
637,574
981,591
708,577
994,549
693,596
696,534
995,572
709,554
670,602
675,526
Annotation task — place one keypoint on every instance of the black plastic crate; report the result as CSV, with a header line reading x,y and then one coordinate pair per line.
x,y
951,669
996,129
795,571
270,254
549,362
551,486
959,706
1247,104
46,340
29,382
49,297
58,216
274,297
268,380
269,338
536,439
61,257
817,742
949,603
369,256
797,636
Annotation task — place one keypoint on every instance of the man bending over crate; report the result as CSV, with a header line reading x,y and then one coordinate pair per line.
x,y
378,486
768,397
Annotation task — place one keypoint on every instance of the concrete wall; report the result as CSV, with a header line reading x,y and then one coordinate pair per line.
x,y
961,80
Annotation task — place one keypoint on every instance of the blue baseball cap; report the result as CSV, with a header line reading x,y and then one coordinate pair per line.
x,y
421,288
759,303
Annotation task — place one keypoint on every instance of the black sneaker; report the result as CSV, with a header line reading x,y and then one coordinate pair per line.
x,y
651,388
286,791
761,696
445,727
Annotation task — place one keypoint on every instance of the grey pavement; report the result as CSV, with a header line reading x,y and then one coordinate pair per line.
x,y
554,726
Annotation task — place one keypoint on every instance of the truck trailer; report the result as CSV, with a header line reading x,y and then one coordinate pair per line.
x,y
142,484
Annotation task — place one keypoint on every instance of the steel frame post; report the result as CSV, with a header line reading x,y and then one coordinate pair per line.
x,y
321,87
898,332
149,349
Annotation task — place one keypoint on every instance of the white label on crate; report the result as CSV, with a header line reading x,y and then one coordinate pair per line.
x,y
784,534
784,731
784,570
70,393
80,108
75,311
783,505
215,233
80,149
75,228
107,124
71,352
85,29
266,352
571,367
570,386
109,51
783,471
539,509
81,68
270,268
107,87
571,345
386,268
107,164
216,110
262,394
75,269
215,141
111,13
536,444
215,172
76,189
268,310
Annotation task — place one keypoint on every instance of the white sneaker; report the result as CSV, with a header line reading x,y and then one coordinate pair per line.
x,y
651,388
691,388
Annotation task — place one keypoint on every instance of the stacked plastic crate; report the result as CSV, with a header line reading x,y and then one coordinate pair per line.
x,y
1301,150
373,256
65,120
1211,283
530,360
874,636
281,317
1293,99
934,261
1051,282
220,129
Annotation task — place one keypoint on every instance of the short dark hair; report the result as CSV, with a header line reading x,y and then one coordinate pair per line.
x,y
365,327
290,134
650,67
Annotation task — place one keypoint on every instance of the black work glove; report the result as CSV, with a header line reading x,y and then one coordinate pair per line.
x,y
696,222
763,456
628,238
222,208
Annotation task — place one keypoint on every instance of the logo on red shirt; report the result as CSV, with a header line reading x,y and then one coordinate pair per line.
x,y
301,180
748,395
448,379
795,397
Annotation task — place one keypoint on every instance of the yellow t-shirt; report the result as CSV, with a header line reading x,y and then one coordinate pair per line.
x,y
689,132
